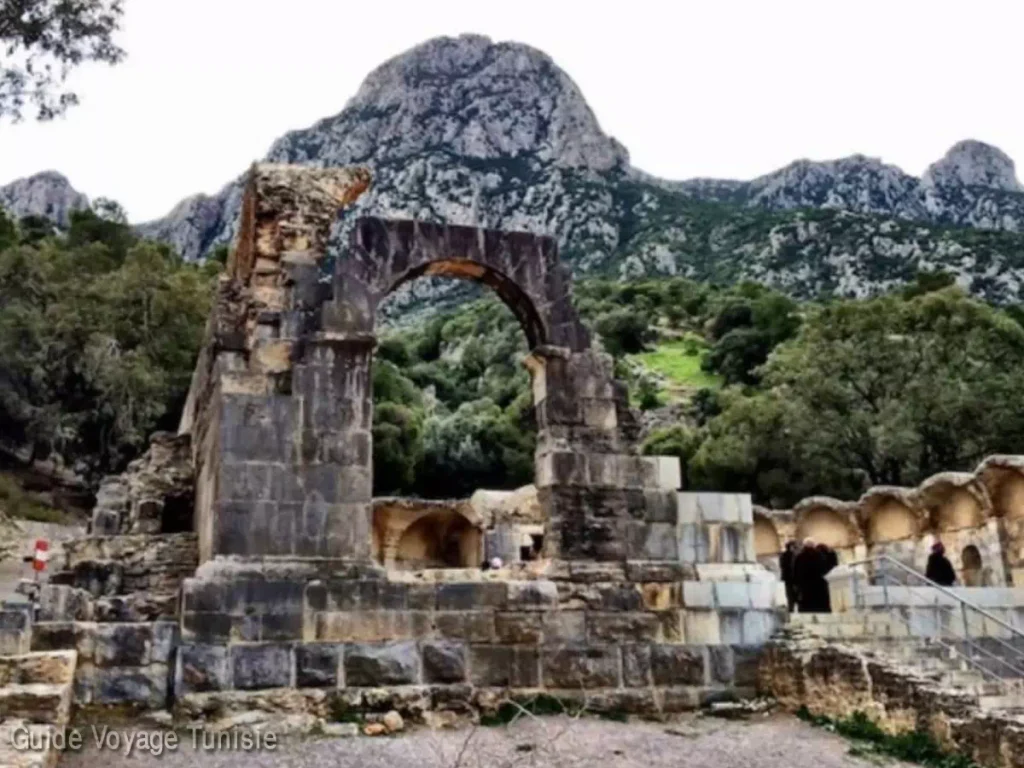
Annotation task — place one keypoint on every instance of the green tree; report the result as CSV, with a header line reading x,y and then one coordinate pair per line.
x,y
43,40
885,391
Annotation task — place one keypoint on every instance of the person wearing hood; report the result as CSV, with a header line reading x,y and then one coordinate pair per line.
x,y
939,569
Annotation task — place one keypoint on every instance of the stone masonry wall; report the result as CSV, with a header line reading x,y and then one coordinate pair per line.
x,y
837,681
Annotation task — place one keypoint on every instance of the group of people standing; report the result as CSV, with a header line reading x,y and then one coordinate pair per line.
x,y
804,568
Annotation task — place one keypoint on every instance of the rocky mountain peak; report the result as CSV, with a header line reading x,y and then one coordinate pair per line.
x,y
48,194
973,163
465,96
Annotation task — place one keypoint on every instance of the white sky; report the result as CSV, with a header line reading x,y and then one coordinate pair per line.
x,y
704,88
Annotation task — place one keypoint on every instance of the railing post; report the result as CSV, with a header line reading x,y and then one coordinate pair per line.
x,y
967,631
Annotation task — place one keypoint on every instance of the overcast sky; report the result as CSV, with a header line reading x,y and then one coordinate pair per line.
x,y
704,88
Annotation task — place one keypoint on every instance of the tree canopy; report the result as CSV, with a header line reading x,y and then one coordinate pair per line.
x,y
42,42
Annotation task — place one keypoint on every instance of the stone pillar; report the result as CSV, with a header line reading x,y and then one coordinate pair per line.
x,y
602,500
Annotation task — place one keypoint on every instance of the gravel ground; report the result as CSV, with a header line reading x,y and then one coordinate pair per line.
x,y
558,742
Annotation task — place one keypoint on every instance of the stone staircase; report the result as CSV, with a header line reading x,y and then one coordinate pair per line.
x,y
36,691
941,660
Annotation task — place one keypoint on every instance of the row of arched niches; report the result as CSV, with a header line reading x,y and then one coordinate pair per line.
x,y
978,516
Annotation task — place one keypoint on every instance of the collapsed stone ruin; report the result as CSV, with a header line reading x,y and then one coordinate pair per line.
x,y
243,564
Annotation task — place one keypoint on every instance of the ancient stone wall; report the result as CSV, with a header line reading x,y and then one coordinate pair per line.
x,y
838,681
977,516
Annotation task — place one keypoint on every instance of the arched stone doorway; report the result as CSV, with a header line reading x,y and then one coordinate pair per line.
x,y
766,538
284,445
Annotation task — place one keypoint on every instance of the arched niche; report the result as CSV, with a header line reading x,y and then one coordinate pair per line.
x,y
826,526
972,566
1009,496
439,540
891,520
957,510
766,538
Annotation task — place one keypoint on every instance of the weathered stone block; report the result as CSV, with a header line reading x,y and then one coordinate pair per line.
x,y
758,626
702,627
732,595
636,666
123,645
730,627
647,571
746,659
563,627
515,628
261,666
476,626
317,664
443,662
146,686
376,665
472,596
206,628
675,665
617,627
653,541
722,664
581,667
536,595
698,594
201,668
680,699
504,666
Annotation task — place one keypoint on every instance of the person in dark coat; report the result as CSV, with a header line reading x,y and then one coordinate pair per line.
x,y
829,560
786,562
939,569
809,569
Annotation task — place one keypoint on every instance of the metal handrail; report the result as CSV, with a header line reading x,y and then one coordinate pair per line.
x,y
964,605
974,647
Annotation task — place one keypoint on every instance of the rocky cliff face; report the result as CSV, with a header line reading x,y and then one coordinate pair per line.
x,y
47,194
469,131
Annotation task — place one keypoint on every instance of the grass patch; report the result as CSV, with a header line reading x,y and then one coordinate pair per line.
x,y
910,746
678,361
18,503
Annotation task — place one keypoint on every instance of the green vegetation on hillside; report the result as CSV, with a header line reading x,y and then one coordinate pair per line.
x,y
99,332
98,336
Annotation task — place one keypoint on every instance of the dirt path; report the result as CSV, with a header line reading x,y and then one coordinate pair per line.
x,y
558,742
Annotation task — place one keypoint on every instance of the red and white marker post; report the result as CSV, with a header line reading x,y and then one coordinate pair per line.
x,y
40,557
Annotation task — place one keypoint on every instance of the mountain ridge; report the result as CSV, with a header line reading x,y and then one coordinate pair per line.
x,y
469,131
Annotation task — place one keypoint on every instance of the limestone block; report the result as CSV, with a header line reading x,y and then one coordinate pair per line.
x,y
758,626
732,594
698,594
660,506
146,686
669,472
386,664
476,626
317,665
702,627
563,627
730,627
123,645
264,665
660,596
762,595
504,666
674,665
515,628
581,667
617,627
636,665
647,571
201,668
443,662
532,595
721,664
653,541
472,596
679,699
